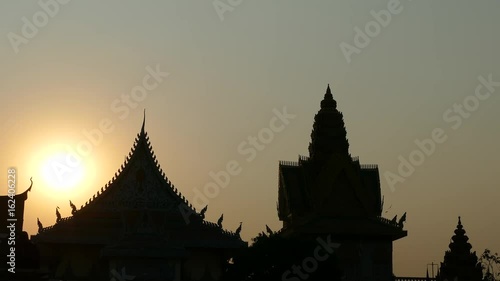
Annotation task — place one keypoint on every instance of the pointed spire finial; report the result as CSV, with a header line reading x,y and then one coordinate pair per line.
x,y
328,94
328,101
143,122
459,221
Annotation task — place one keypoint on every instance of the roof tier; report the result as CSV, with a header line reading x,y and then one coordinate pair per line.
x,y
139,191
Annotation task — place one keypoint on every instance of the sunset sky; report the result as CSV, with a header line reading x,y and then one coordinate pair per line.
x,y
217,73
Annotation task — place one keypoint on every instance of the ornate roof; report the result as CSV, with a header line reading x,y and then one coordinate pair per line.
x,y
19,212
330,191
138,192
459,262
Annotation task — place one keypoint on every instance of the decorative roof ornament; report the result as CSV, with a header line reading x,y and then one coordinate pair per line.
x,y
73,207
402,220
238,230
203,211
394,219
58,215
40,225
269,230
31,185
219,221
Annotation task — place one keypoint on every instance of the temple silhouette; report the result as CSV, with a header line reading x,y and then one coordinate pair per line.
x,y
329,193
140,227
459,262
25,254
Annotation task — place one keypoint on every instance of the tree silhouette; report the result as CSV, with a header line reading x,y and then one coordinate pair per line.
x,y
273,257
491,265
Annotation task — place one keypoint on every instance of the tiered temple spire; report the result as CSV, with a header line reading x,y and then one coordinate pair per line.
x,y
330,194
329,134
459,262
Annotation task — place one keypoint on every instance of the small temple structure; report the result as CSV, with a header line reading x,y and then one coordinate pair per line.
x,y
26,260
18,200
459,262
137,227
329,193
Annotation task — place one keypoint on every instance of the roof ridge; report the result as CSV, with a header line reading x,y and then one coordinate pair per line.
x,y
141,139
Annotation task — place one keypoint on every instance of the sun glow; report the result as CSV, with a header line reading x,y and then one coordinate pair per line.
x,y
60,172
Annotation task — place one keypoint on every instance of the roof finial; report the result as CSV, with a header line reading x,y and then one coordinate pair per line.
x,y
328,101
459,221
31,185
143,122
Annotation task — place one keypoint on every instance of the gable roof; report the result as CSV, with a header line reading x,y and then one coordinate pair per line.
x,y
139,188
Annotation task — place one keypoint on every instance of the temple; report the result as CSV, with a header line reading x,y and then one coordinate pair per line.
x,y
459,262
25,254
137,226
329,193
19,201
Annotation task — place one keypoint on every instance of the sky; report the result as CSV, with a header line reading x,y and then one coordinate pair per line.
x,y
415,80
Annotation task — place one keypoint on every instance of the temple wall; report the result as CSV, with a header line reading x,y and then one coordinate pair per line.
x,y
77,260
366,260
203,264
145,269
5,202
82,261
63,260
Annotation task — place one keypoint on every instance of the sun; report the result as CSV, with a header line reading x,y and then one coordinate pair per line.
x,y
62,171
